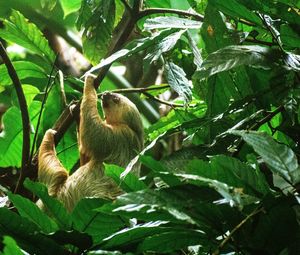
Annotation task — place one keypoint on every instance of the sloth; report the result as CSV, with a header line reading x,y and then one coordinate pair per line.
x,y
116,139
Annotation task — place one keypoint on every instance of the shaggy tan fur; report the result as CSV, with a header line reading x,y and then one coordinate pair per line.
x,y
115,140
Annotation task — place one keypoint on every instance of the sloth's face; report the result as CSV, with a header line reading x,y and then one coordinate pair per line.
x,y
110,100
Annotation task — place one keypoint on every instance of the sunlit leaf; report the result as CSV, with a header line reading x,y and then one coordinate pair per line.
x,y
19,30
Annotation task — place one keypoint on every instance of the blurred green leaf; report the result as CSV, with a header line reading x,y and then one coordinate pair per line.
x,y
70,6
97,34
24,70
18,30
11,247
11,137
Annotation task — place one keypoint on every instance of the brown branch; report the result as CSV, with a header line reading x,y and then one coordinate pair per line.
x,y
151,11
236,228
127,6
25,118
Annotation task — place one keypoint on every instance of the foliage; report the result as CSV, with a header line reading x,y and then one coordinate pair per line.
x,y
232,185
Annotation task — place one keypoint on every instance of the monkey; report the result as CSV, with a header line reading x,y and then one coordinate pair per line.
x,y
115,139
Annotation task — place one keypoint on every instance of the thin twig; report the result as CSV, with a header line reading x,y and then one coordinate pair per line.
x,y
47,90
144,91
236,228
137,90
173,105
151,11
25,117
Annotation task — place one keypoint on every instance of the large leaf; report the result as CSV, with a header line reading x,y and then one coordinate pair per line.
x,y
234,56
24,70
164,242
235,9
281,159
177,81
98,31
97,224
171,22
53,206
232,172
11,138
30,210
132,235
166,44
19,30
27,234
133,47
29,92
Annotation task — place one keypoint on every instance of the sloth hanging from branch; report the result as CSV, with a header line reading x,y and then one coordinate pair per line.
x,y
114,140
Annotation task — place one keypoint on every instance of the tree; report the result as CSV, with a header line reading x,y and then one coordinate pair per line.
x,y
221,162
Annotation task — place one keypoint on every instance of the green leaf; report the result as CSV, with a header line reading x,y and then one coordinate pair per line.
x,y
11,247
166,44
95,223
279,157
29,210
11,138
234,56
174,119
129,183
133,47
27,234
177,81
53,206
24,70
290,38
29,91
170,241
235,9
70,6
97,35
18,30
133,234
170,204
231,195
171,22
232,172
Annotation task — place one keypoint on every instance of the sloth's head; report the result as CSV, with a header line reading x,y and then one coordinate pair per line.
x,y
119,109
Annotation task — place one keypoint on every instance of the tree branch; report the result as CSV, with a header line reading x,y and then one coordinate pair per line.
x,y
25,117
